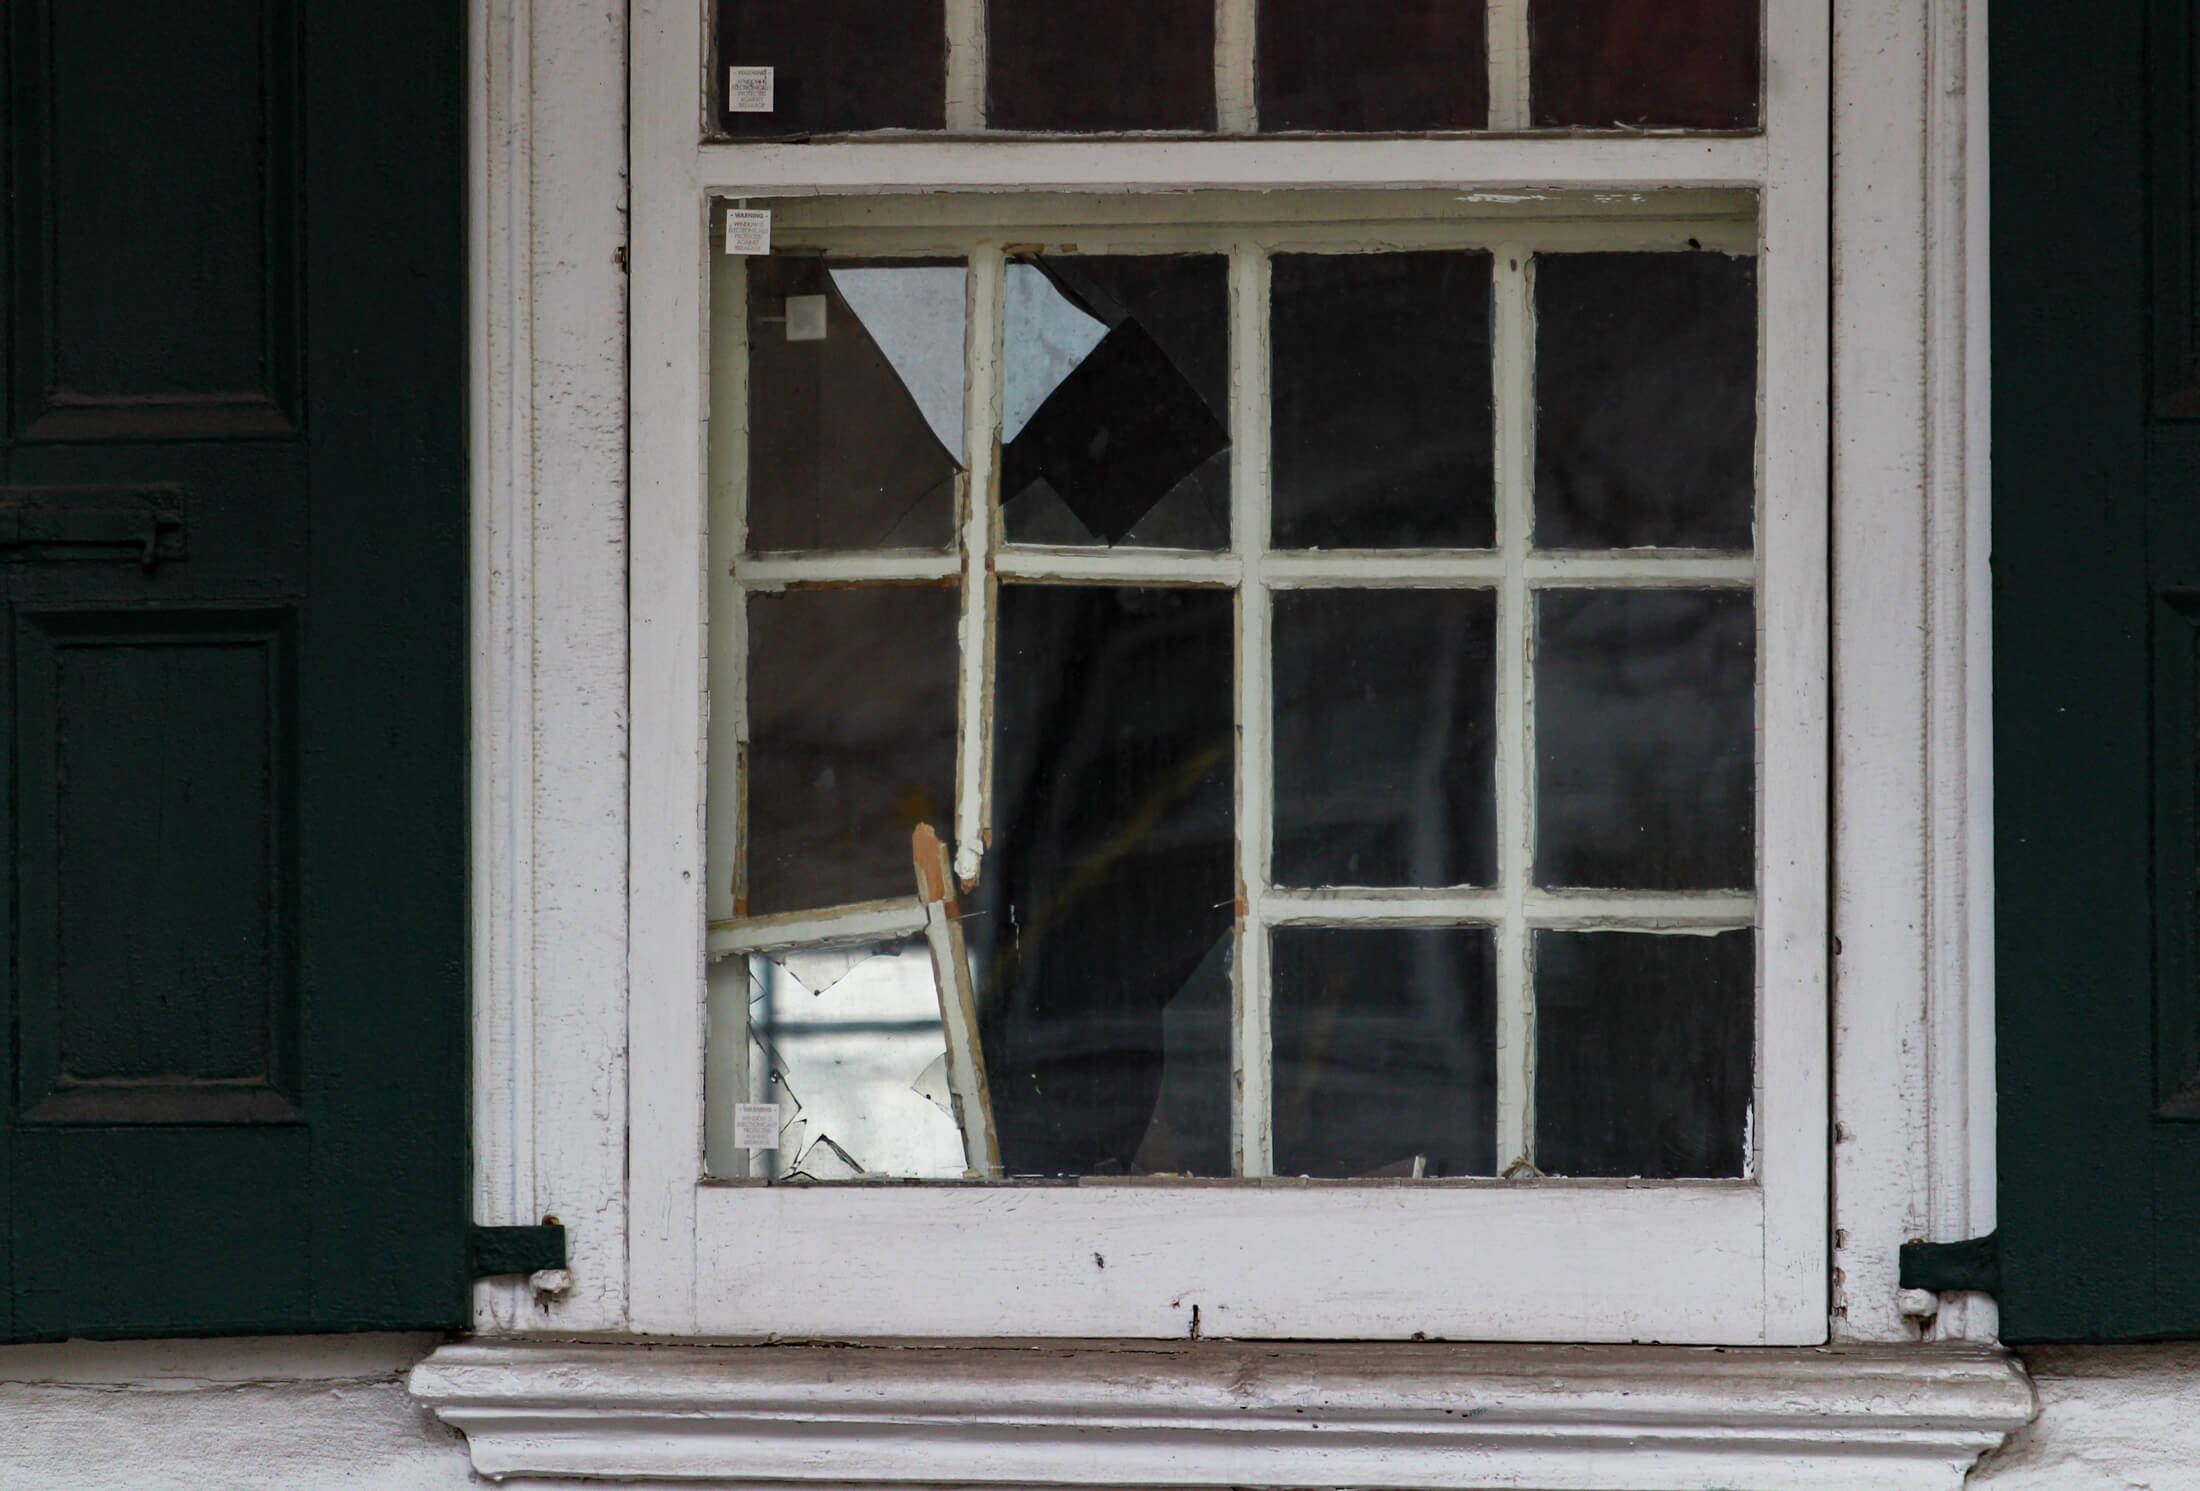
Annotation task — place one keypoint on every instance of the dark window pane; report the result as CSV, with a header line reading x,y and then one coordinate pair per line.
x,y
1646,401
1381,405
1116,400
1645,721
1684,64
1373,65
1385,705
838,65
1100,64
855,403
1384,1048
1100,934
1643,1048
851,740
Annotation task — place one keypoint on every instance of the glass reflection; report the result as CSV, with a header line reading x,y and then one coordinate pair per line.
x,y
855,403
851,741
1384,1042
1100,944
1643,1048
847,1042
1115,400
1645,735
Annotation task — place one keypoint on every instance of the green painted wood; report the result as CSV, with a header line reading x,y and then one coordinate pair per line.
x,y
2097,676
235,1036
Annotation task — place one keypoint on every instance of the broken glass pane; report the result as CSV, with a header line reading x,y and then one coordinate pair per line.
x,y
1385,731
851,740
1643,1047
1381,412
1115,400
1088,65
1646,401
1679,64
855,403
1390,65
838,65
847,1042
1385,1043
1100,933
1645,734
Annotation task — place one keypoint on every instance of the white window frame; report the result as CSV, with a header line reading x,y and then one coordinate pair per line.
x,y
558,1088
1714,1263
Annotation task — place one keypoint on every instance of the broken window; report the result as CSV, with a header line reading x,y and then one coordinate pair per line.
x,y
1329,648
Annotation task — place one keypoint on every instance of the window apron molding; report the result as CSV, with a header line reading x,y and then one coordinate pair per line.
x,y
1590,1418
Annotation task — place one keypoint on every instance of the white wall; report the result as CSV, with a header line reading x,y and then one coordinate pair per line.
x,y
2112,1418
322,1414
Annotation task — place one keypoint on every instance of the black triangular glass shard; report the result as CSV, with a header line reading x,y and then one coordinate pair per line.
x,y
1116,436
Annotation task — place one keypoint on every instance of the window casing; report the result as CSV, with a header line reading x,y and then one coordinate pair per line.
x,y
1714,1261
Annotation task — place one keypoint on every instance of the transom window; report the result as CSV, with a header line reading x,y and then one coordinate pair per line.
x,y
1330,644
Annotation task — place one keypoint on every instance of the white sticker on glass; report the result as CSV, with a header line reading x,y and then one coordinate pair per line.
x,y
805,318
748,90
748,230
756,1125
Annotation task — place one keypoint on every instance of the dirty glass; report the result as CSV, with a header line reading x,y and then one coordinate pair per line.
x,y
1379,65
851,741
1115,400
1093,65
1100,935
837,65
847,1042
1604,64
1384,1051
1646,400
855,402
1643,1053
1380,420
1385,737
1645,735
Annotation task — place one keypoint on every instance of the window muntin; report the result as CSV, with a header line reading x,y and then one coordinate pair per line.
x,y
1671,638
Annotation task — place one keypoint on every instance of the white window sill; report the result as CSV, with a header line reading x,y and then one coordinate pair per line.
x,y
1584,1418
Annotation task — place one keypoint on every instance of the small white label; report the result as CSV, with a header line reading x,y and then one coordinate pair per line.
x,y
805,318
756,1125
748,90
748,230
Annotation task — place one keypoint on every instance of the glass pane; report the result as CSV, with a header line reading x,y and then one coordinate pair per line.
x,y
1100,936
851,741
847,1042
1643,1047
855,403
1646,401
837,65
1645,734
1116,400
1384,1051
1373,65
1100,64
1381,404
1384,740
1684,64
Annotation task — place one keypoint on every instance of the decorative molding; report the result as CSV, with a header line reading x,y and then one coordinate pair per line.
x,y
1223,1414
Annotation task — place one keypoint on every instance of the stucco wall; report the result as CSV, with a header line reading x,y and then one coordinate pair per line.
x,y
333,1413
329,1414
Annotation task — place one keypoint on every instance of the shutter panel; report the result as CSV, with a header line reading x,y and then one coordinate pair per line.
x,y
2097,669
232,561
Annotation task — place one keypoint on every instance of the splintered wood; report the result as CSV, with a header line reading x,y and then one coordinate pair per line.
x,y
958,1005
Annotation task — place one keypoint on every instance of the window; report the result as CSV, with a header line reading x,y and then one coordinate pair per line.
x,y
1352,612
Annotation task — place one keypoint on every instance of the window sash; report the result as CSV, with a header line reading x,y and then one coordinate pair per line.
x,y
1714,1262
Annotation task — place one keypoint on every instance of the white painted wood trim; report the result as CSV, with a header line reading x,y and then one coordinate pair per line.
x,y
1222,1415
1914,1010
547,155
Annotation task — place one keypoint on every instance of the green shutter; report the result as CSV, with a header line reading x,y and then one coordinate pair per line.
x,y
232,614
2097,668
